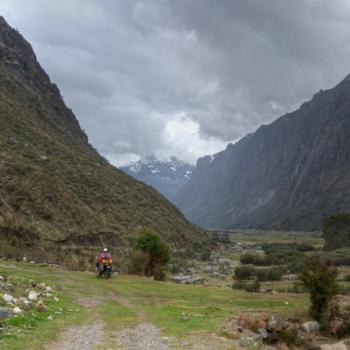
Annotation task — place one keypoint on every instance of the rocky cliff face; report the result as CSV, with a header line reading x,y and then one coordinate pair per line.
x,y
56,190
166,176
287,175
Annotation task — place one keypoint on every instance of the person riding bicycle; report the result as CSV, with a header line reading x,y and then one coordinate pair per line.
x,y
104,260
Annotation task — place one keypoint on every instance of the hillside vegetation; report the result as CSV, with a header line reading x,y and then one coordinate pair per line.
x,y
56,190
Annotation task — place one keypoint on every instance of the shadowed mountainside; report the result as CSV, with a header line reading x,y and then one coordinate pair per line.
x,y
287,175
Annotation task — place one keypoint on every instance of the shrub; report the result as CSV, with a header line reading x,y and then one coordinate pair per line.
x,y
272,274
247,258
254,287
245,272
239,285
319,276
157,252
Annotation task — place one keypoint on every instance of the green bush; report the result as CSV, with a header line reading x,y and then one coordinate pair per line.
x,y
157,252
271,274
319,277
253,287
239,285
244,272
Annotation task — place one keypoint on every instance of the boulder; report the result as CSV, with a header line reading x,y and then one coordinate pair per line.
x,y
17,310
4,314
335,326
196,280
180,278
310,327
263,333
41,307
8,298
342,345
33,295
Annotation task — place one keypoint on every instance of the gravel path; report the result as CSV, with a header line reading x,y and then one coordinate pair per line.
x,y
144,336
86,337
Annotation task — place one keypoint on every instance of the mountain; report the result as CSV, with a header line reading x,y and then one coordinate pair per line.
x,y
166,176
286,175
58,195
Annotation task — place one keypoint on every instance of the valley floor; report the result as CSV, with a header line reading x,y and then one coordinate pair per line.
x,y
128,312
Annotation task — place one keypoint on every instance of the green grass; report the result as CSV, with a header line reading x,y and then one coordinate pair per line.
x,y
178,310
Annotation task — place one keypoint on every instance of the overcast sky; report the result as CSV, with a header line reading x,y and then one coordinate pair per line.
x,y
183,77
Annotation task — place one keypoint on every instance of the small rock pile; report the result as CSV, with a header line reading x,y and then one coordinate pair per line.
x,y
188,279
253,330
32,298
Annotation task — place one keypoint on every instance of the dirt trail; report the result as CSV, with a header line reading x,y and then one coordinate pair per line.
x,y
87,337
144,336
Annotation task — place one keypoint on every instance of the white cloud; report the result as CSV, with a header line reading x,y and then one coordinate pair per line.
x,y
132,69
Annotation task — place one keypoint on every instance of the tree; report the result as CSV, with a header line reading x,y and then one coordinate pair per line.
x,y
157,252
336,231
319,276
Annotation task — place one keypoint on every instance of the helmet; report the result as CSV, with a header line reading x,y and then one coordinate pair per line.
x,y
105,250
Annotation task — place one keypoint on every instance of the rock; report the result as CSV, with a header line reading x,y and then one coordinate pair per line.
x,y
342,345
17,310
263,333
196,280
335,326
41,307
25,259
2,278
187,279
246,341
50,318
4,314
310,327
272,322
33,295
180,278
56,299
8,298
48,289
41,285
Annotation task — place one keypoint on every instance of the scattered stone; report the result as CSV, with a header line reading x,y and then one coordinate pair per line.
x,y
4,314
25,259
41,307
310,327
272,322
50,318
263,333
188,279
8,298
342,345
48,289
335,326
33,295
17,310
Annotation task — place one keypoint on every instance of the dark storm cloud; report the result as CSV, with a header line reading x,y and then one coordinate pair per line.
x,y
183,77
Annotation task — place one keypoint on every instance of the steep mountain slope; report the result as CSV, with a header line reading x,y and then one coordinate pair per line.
x,y
287,175
166,176
56,190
